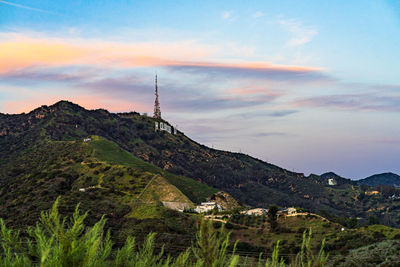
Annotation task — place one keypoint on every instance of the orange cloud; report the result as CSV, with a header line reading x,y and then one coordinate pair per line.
x,y
24,53
248,65
18,52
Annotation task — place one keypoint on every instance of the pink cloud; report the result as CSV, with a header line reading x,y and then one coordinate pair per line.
x,y
17,52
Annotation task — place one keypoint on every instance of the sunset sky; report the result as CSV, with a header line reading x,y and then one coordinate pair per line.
x,y
312,86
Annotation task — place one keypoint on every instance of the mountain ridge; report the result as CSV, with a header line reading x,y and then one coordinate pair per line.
x,y
386,178
247,179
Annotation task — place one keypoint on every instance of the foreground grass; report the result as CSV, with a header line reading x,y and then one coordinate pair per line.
x,y
56,241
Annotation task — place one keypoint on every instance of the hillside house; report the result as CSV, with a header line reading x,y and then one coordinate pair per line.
x,y
207,206
256,212
287,211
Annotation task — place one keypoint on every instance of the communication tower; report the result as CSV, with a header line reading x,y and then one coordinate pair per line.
x,y
157,110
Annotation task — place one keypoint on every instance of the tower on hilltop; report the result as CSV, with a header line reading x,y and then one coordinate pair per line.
x,y
157,110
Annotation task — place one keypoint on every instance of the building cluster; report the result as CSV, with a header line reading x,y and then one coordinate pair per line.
x,y
288,211
255,212
260,212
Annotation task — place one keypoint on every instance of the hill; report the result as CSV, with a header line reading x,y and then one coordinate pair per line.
x,y
387,178
105,179
247,179
339,179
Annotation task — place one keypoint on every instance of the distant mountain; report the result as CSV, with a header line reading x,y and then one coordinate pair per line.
x,y
387,178
29,142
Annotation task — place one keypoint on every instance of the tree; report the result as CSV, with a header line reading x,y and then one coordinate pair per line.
x,y
273,217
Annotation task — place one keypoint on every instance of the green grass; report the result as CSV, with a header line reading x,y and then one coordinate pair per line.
x,y
161,190
111,153
146,211
195,191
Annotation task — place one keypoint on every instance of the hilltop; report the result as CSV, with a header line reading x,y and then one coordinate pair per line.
x,y
387,178
339,179
249,180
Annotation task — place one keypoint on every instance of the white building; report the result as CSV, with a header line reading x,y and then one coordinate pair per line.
x,y
207,206
287,211
255,212
332,181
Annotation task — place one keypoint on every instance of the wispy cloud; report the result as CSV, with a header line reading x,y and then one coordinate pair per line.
x,y
228,16
31,75
268,134
282,113
253,70
300,34
263,114
18,53
27,7
112,69
128,85
361,102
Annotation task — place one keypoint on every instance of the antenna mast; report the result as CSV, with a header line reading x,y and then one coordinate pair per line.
x,y
157,110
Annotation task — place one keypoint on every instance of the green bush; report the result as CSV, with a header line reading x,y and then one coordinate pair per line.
x,y
56,241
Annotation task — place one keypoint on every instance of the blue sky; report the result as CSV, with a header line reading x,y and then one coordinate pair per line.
x,y
311,86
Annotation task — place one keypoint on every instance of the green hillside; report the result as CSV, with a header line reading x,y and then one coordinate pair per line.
x,y
249,180
104,178
111,153
42,159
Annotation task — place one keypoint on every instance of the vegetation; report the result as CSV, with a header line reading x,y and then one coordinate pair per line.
x,y
56,241
385,253
273,217
105,179
126,171
247,179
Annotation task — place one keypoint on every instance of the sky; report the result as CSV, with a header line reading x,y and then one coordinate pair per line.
x,y
312,86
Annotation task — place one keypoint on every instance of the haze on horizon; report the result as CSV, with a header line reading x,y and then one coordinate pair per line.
x,y
312,87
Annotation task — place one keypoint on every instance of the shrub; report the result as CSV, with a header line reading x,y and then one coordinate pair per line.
x,y
56,241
